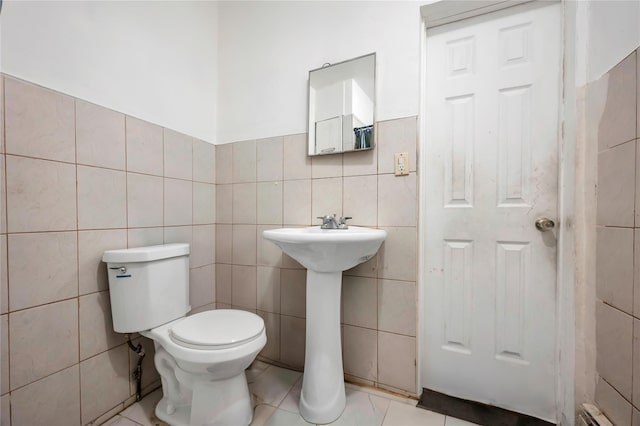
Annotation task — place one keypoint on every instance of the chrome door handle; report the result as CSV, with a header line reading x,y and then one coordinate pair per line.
x,y
544,224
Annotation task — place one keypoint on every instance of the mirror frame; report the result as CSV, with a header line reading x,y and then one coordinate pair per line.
x,y
311,141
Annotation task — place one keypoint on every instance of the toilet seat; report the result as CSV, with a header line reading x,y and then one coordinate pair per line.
x,y
208,354
217,329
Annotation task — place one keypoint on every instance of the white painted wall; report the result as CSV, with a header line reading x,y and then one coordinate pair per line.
x,y
611,31
266,50
156,60
159,60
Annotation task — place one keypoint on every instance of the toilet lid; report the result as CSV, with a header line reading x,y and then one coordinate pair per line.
x,y
218,328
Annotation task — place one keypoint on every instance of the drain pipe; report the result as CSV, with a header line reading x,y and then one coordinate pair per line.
x,y
138,373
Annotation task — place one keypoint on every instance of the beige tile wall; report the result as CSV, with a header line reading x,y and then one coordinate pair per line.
x,y
271,183
77,179
618,240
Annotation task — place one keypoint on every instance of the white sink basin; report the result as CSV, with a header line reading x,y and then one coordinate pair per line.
x,y
325,253
328,250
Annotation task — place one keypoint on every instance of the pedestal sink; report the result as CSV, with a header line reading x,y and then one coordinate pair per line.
x,y
325,253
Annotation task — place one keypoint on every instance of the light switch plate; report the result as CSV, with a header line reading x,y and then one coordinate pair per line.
x,y
401,163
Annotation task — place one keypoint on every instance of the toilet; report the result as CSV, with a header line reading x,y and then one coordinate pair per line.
x,y
201,358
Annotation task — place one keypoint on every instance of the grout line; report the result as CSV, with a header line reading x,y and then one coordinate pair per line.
x,y
617,145
614,227
634,254
77,364
615,390
126,180
128,418
230,245
43,304
56,231
615,307
5,249
29,157
255,227
164,194
93,166
4,122
77,297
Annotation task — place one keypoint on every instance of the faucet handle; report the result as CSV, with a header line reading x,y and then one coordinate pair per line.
x,y
343,222
327,219
328,222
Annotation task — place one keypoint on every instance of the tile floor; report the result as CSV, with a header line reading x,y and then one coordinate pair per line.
x,y
276,392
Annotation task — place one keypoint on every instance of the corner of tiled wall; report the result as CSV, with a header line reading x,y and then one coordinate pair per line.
x,y
78,179
5,413
271,183
618,241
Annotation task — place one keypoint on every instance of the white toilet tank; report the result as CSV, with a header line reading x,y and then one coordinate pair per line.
x,y
149,286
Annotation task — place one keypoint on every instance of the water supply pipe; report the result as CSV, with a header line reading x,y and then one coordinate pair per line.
x,y
138,373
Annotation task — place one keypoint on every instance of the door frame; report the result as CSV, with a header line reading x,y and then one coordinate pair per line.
x,y
447,11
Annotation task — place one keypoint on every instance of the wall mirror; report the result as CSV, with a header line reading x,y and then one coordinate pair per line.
x,y
341,106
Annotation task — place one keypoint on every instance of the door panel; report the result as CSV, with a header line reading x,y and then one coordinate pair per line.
x,y
491,146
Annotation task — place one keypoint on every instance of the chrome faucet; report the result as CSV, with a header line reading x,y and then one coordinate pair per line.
x,y
330,222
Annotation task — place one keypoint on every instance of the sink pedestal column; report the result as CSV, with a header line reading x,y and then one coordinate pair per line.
x,y
322,399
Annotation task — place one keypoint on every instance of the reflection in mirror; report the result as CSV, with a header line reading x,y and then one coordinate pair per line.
x,y
341,106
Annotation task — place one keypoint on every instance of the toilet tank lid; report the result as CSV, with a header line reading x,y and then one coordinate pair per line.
x,y
146,254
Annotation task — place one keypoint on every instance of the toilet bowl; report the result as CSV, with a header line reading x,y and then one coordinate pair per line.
x,y
200,358
207,352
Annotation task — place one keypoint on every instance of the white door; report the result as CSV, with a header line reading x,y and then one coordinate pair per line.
x,y
491,148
